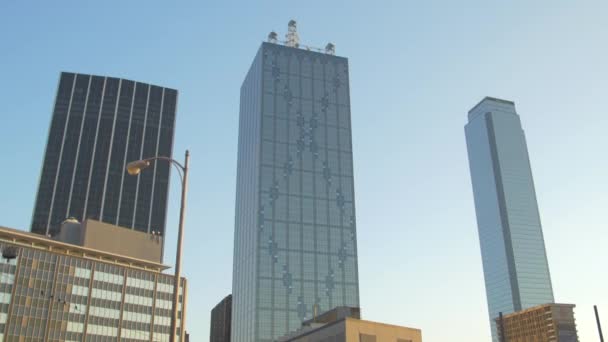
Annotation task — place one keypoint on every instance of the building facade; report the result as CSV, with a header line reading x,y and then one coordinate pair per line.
x,y
99,124
295,232
112,239
513,252
221,318
549,322
343,324
53,291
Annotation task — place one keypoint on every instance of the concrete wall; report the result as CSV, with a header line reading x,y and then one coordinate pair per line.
x,y
382,332
355,330
122,241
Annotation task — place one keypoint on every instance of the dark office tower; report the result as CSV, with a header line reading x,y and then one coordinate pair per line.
x,y
515,263
295,243
100,124
221,316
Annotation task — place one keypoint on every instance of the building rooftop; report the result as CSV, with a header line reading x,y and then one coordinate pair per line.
x,y
493,102
36,241
538,307
118,78
316,327
302,48
334,314
492,99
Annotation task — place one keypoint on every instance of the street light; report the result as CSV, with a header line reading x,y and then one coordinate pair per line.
x,y
134,168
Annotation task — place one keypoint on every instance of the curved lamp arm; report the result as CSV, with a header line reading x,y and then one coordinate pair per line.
x,y
135,167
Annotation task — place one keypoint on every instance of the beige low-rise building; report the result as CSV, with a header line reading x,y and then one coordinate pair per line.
x,y
346,326
547,323
56,291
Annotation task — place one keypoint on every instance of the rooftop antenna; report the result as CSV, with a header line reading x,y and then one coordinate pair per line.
x,y
330,49
273,37
292,38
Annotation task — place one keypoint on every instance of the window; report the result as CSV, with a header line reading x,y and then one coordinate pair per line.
x,y
367,338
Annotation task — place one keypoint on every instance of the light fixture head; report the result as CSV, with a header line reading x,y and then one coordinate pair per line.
x,y
135,167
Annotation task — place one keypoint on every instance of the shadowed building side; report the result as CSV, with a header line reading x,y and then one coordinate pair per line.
x,y
98,125
221,318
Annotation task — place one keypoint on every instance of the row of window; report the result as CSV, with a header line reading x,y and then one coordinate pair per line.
x,y
68,299
102,330
139,335
118,279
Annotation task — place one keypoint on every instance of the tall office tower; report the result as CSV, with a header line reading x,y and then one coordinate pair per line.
x,y
100,124
221,318
295,247
512,246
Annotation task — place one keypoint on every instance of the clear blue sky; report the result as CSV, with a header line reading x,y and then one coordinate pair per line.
x,y
416,69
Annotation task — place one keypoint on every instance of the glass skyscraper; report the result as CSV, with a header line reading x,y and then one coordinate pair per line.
x,y
99,124
512,246
295,247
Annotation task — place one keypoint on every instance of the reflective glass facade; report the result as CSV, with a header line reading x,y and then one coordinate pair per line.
x,y
99,124
295,238
54,293
513,252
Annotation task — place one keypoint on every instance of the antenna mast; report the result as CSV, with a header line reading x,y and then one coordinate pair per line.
x,y
293,40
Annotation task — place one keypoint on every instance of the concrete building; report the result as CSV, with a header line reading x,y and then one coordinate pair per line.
x,y
112,239
516,270
221,318
54,291
99,124
295,233
546,323
343,324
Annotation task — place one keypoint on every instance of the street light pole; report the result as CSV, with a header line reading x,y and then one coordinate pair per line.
x,y
178,253
599,326
134,168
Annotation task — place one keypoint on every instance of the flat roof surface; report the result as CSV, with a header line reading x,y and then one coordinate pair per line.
x,y
117,78
307,330
494,99
538,307
32,240
303,48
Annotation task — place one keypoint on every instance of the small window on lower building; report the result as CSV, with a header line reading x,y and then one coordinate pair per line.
x,y
367,338
403,340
